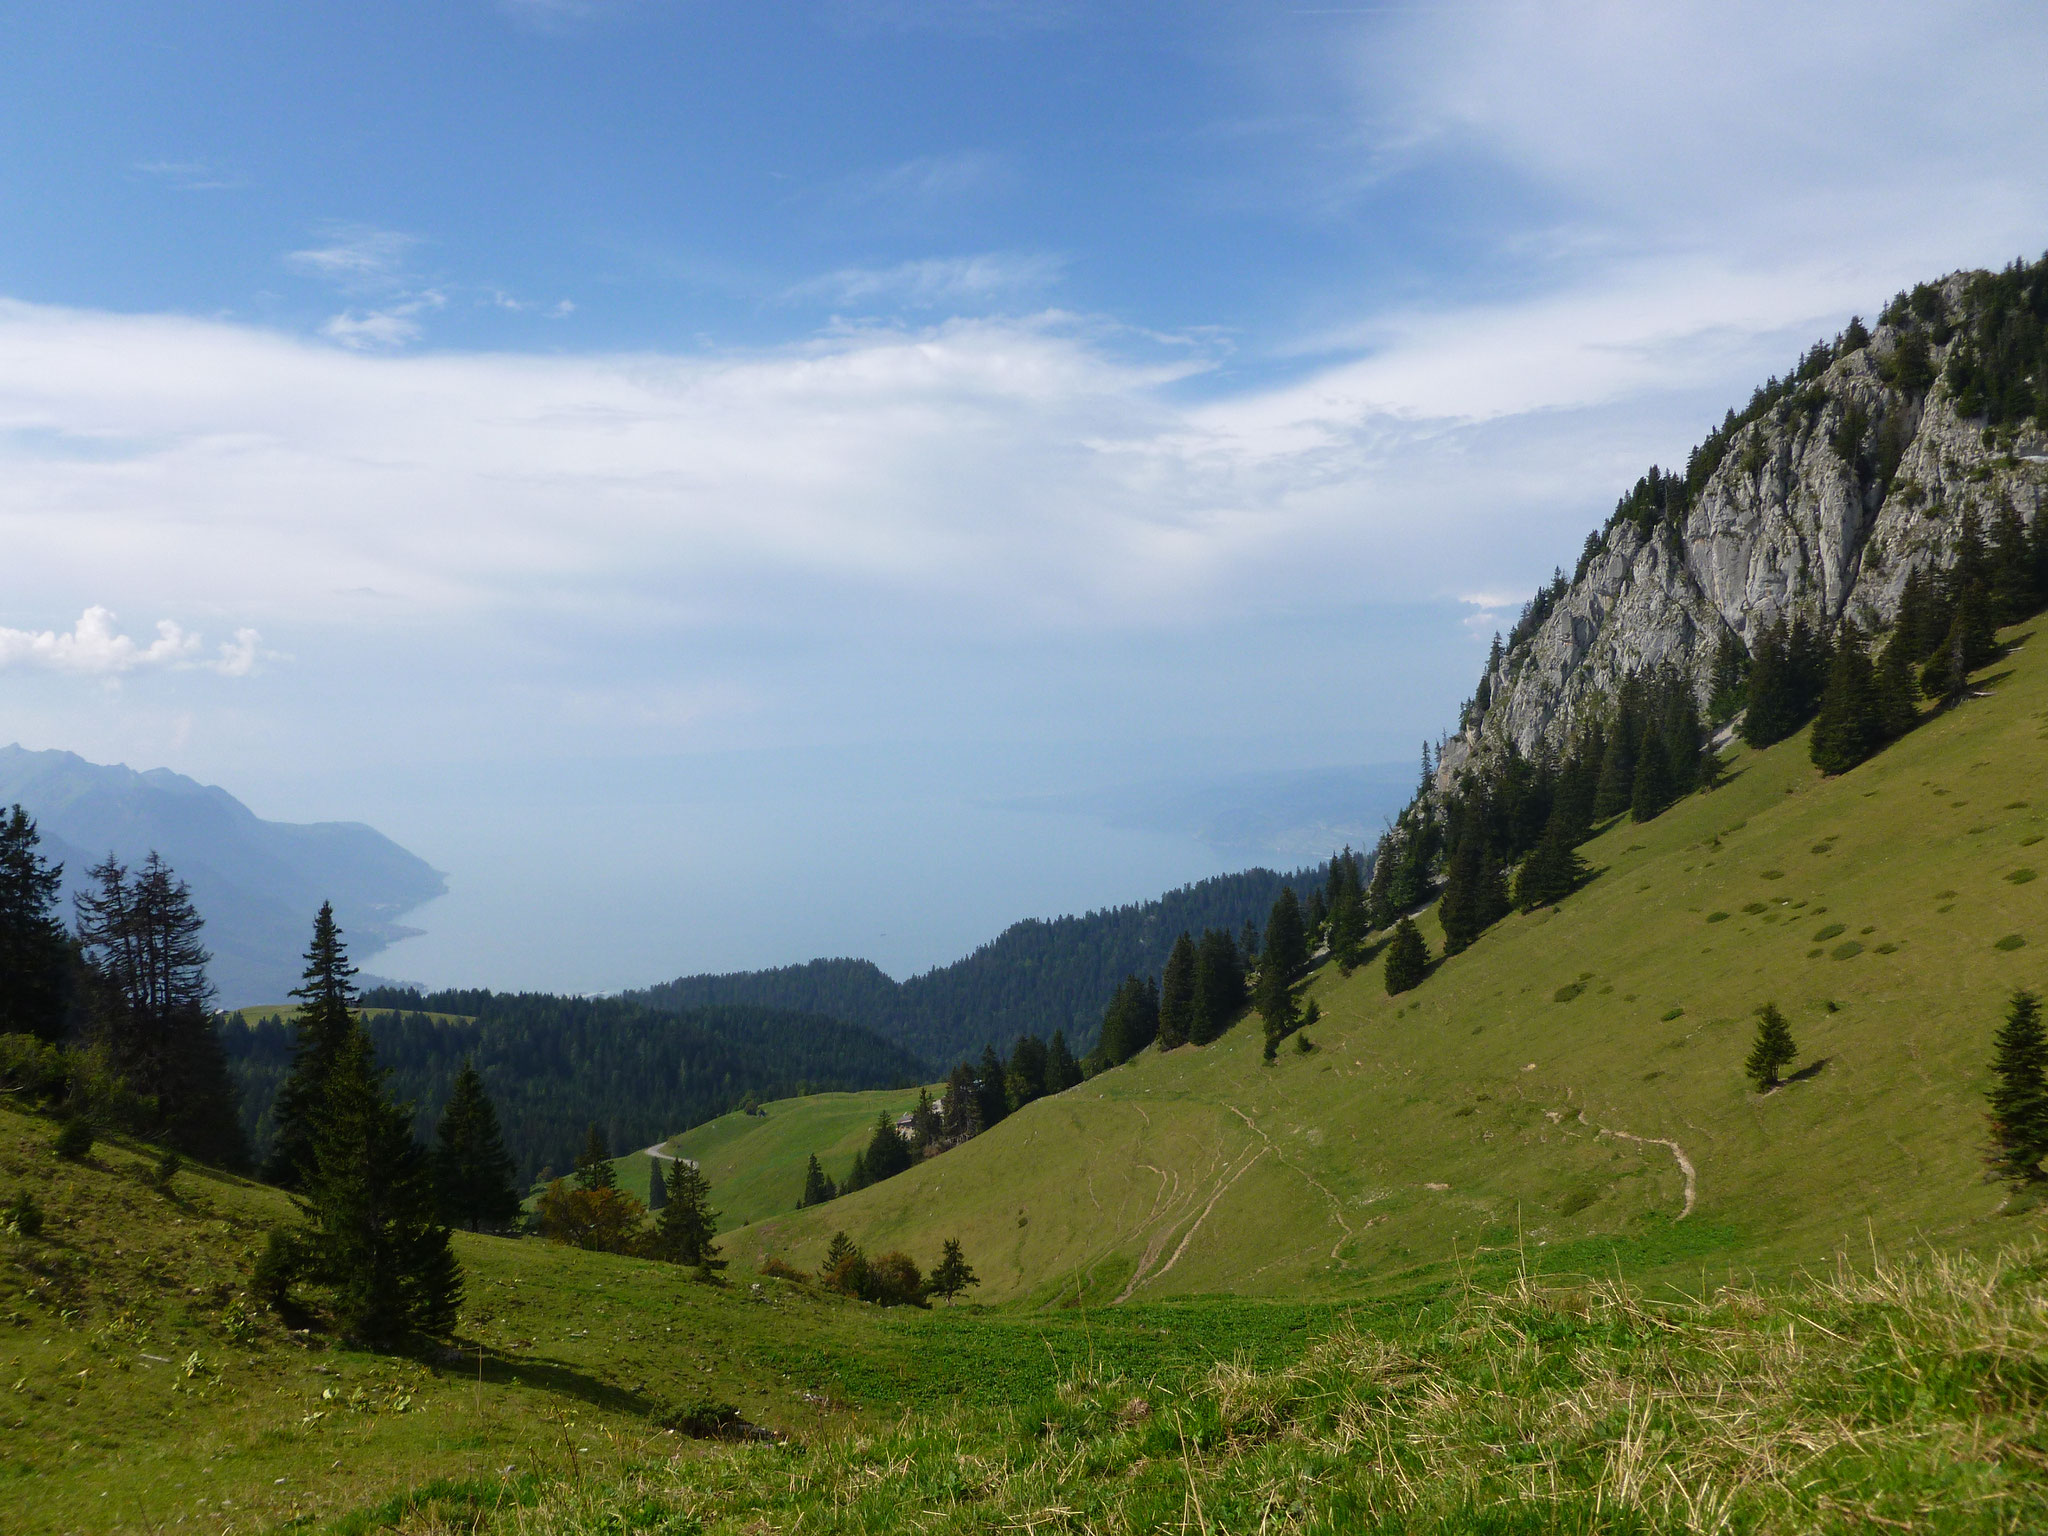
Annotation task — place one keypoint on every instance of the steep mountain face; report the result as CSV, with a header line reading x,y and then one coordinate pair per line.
x,y
1821,498
257,883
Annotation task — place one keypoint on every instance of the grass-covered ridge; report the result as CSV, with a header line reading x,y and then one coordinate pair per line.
x,y
1896,1396
1550,1078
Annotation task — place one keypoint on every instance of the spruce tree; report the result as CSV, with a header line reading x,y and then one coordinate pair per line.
x,y
2019,1094
888,1154
687,1225
1772,706
818,1186
2012,592
840,1251
1024,1077
1347,915
1773,1049
1731,667
1552,871
1177,994
952,1274
989,1089
1061,1070
1898,690
36,956
857,1175
1219,986
1919,624
1971,641
1407,957
1850,725
963,1104
594,1168
1286,947
373,1235
1615,788
326,1018
472,1171
1651,793
657,1185
1457,912
925,1127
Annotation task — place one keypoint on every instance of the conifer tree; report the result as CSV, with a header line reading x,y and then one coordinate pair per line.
x,y
952,1274
36,957
1772,706
989,1088
2019,1094
657,1185
1850,725
1773,1049
963,1104
818,1186
1615,789
2012,591
1731,668
1971,641
924,1121
594,1168
1571,813
1407,957
1552,871
1920,624
687,1225
472,1171
373,1235
1061,1070
1024,1077
1219,986
326,1018
1898,690
840,1251
1458,911
888,1154
856,1176
1651,793
1379,896
1347,915
1177,994
1285,950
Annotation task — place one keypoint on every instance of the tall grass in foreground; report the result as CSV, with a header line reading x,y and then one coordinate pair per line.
x,y
1908,1396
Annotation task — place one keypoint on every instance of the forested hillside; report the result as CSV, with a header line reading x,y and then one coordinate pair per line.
x,y
554,1065
1038,976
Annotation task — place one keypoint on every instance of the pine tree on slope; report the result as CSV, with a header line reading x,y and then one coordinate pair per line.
x,y
472,1170
373,1234
35,952
1177,994
952,1274
325,1020
1407,957
818,1187
1773,1049
684,1232
1850,725
2019,1095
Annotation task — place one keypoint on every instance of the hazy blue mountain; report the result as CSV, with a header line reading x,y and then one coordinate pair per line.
x,y
257,883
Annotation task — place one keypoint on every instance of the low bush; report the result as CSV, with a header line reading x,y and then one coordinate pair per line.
x,y
74,1139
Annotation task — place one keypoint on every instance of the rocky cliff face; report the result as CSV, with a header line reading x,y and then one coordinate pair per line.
x,y
1827,494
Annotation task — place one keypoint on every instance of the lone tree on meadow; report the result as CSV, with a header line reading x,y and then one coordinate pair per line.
x,y
373,1234
323,1024
1407,957
952,1274
683,1234
2019,1094
472,1170
1773,1049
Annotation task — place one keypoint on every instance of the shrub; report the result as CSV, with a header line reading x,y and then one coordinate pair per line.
x,y
894,1280
781,1271
74,1139
277,1266
31,1068
706,1420
22,1216
167,1167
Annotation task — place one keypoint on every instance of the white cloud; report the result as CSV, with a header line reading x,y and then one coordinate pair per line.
x,y
357,257
381,329
94,646
191,175
958,282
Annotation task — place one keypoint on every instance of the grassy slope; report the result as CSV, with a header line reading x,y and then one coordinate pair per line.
x,y
756,1162
144,1389
1476,1105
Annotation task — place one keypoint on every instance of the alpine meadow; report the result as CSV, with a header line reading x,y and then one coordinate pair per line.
x,y
896,554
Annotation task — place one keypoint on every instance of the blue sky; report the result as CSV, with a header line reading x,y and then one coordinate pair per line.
x,y
710,476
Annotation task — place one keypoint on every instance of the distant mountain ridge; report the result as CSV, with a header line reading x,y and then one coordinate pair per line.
x,y
257,883
1036,977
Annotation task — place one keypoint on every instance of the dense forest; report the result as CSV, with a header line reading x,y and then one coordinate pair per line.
x,y
1037,978
555,1065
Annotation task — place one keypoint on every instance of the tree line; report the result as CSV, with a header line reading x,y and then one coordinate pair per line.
x,y
553,1064
1037,978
